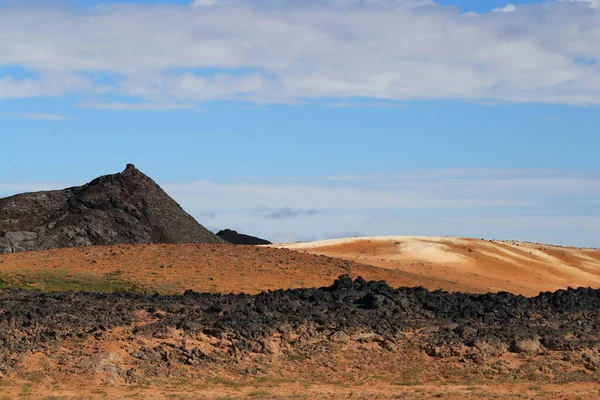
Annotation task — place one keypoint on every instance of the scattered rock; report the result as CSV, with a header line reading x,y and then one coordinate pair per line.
x,y
528,346
367,337
214,332
106,364
483,350
491,348
389,345
270,348
340,337
591,361
438,351
195,356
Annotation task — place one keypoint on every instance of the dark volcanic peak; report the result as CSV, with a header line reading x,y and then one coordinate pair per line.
x,y
239,238
127,207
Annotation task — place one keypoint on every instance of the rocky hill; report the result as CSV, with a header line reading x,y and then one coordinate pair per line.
x,y
126,207
234,237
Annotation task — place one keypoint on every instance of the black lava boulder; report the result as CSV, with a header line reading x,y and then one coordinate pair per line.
x,y
239,238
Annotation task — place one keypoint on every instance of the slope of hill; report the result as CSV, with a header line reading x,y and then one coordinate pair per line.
x,y
174,268
470,265
127,207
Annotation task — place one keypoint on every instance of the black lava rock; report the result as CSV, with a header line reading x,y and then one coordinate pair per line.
x,y
563,320
240,239
127,207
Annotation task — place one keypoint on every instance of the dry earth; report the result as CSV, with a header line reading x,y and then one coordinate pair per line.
x,y
285,378
174,268
453,264
469,265
352,340
83,366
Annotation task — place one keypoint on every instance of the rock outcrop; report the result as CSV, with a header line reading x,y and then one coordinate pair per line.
x,y
127,207
234,237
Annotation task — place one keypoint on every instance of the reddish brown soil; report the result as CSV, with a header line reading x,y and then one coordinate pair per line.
x,y
356,371
200,267
467,265
353,370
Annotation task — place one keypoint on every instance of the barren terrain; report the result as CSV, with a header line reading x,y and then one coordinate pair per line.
x,y
174,268
166,327
354,339
469,265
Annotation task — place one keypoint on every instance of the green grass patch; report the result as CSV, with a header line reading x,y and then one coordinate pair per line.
x,y
26,390
63,281
225,382
258,394
407,383
35,377
297,357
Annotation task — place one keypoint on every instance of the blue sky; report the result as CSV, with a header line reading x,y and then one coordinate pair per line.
x,y
466,118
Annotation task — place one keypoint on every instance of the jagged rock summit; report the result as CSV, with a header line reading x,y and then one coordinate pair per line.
x,y
234,237
126,207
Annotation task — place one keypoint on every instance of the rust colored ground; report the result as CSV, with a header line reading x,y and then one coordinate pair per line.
x,y
469,265
451,264
172,269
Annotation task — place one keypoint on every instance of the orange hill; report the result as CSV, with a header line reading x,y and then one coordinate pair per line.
x,y
472,265
174,268
468,265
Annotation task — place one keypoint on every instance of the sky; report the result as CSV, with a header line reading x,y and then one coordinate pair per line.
x,y
316,119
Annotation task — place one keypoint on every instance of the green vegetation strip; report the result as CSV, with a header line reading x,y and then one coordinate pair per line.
x,y
63,281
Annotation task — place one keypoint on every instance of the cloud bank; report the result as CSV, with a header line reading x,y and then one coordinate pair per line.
x,y
34,116
560,207
287,52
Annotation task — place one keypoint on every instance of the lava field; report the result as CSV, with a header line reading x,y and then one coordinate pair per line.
x,y
486,325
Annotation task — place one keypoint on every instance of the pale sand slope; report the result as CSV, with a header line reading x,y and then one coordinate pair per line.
x,y
474,265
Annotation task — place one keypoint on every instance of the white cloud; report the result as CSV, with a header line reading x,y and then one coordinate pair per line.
x,y
592,3
138,106
546,206
204,3
355,104
278,51
11,88
413,190
506,9
49,84
35,116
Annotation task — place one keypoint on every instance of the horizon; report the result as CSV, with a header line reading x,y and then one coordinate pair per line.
x,y
189,195
317,120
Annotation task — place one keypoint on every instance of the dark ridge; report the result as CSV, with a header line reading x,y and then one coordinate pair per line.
x,y
240,239
126,207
